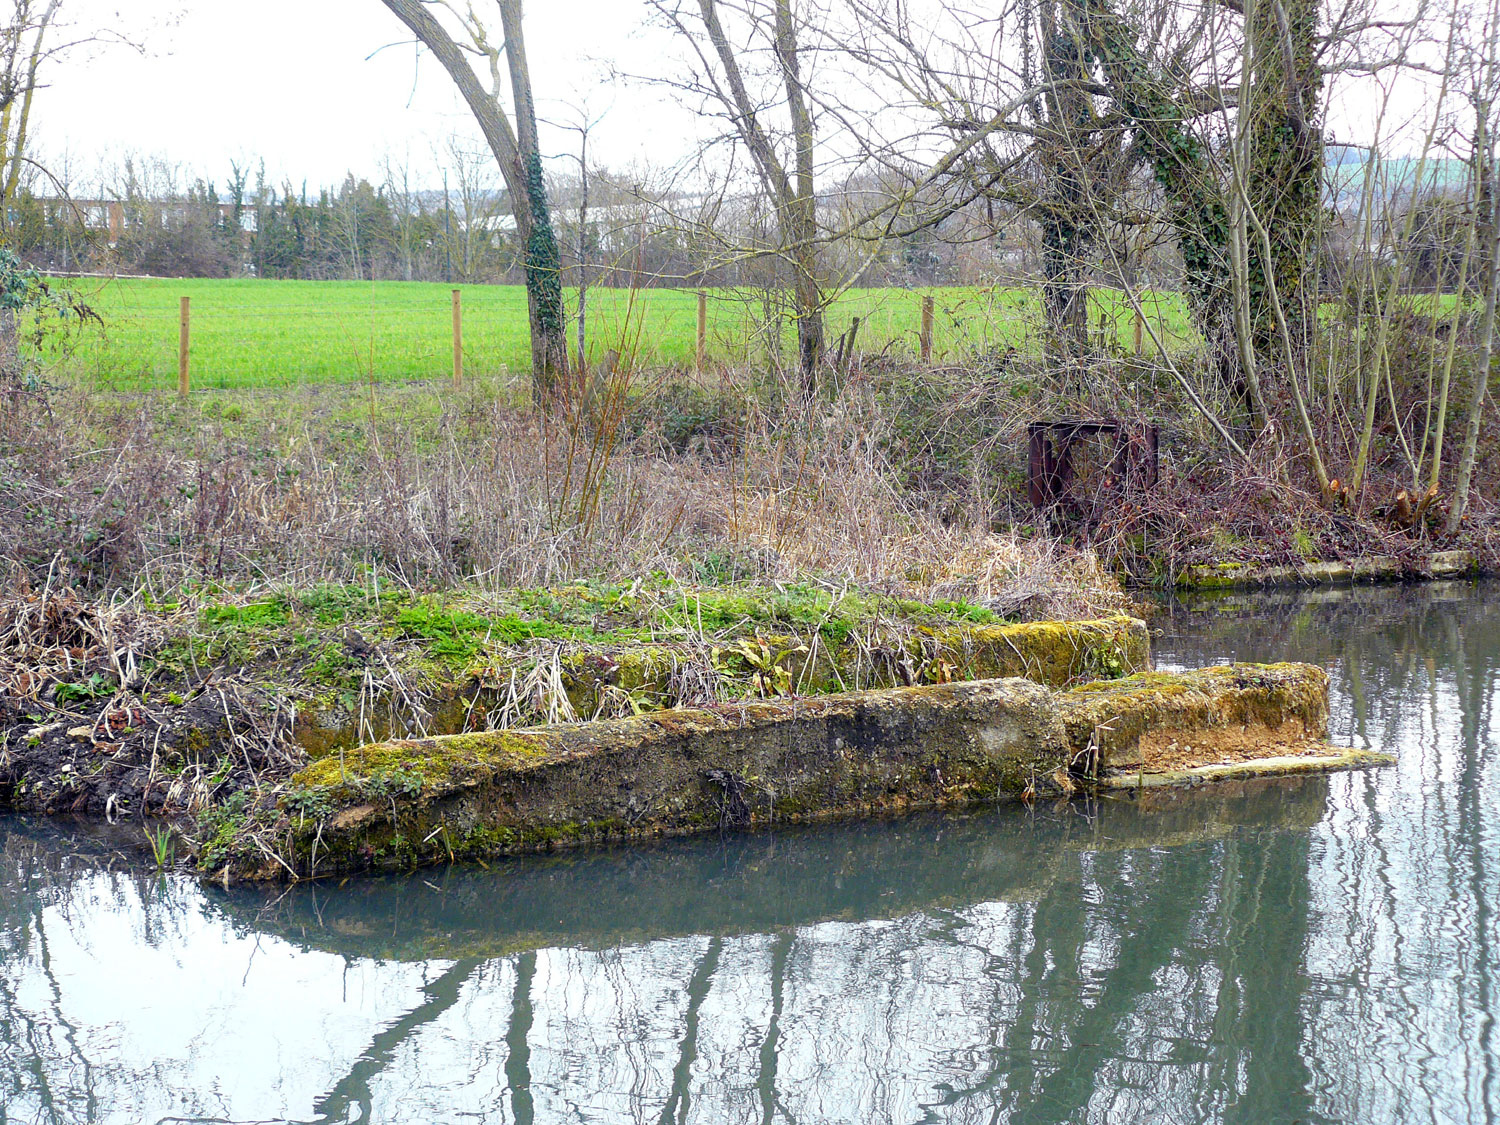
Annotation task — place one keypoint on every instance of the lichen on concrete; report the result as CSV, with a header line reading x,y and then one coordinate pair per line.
x,y
1315,572
745,764
760,762
1054,653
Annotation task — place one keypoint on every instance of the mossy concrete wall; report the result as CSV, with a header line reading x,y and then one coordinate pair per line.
x,y
405,803
601,680
1371,568
1054,653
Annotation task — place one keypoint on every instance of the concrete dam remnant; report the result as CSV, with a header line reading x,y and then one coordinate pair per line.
x,y
759,763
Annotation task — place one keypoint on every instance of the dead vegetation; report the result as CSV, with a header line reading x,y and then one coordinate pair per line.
x,y
51,636
333,484
122,521
80,730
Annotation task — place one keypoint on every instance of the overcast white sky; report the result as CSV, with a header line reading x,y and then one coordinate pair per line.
x,y
293,81
318,88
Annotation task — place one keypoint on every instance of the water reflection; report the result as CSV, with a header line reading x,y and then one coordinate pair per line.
x,y
1316,950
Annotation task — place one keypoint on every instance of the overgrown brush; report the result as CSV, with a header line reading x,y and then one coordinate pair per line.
x,y
337,486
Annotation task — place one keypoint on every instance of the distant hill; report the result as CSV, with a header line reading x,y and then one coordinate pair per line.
x,y
1348,170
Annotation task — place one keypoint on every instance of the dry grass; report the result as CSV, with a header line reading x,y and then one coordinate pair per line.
x,y
49,635
81,732
341,484
122,516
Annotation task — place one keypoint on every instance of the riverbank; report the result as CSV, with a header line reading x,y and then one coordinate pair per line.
x,y
179,709
206,597
271,734
880,967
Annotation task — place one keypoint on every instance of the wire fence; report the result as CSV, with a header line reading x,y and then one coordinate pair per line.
x,y
247,333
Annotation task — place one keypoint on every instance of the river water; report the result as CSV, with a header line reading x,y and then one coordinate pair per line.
x,y
1310,950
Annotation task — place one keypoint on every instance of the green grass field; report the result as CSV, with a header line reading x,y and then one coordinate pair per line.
x,y
249,333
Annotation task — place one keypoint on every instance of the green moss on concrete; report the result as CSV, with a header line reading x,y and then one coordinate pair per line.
x,y
749,763
369,661
1313,571
1212,576
1052,653
423,767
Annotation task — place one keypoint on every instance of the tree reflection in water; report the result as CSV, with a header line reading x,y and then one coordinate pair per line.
x,y
1312,950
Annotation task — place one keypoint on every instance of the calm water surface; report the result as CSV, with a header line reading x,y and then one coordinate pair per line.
x,y
1313,950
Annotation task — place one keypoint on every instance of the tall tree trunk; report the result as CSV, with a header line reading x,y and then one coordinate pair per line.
x,y
1486,220
793,197
15,121
543,263
1196,207
807,298
1068,227
799,212
517,154
583,252
10,344
1284,174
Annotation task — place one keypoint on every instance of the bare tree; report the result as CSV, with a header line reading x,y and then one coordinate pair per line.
x,y
406,211
583,123
1069,208
30,37
24,47
1485,97
479,240
455,38
33,34
784,161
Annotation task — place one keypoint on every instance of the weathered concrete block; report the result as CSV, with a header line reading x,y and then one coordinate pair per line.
x,y
1371,568
406,802
1055,653
403,803
1375,568
1122,722
1450,564
1316,572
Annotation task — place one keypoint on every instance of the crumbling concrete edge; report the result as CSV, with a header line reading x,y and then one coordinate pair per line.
x,y
408,803
1281,765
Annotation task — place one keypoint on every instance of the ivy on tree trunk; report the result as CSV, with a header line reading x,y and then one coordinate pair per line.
x,y
1196,207
549,349
1284,177
1069,228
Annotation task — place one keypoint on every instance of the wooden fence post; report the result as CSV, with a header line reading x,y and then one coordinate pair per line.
x,y
702,329
926,337
458,339
846,350
184,331
1140,331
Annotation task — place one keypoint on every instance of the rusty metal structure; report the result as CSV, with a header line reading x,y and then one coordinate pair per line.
x,y
1132,458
